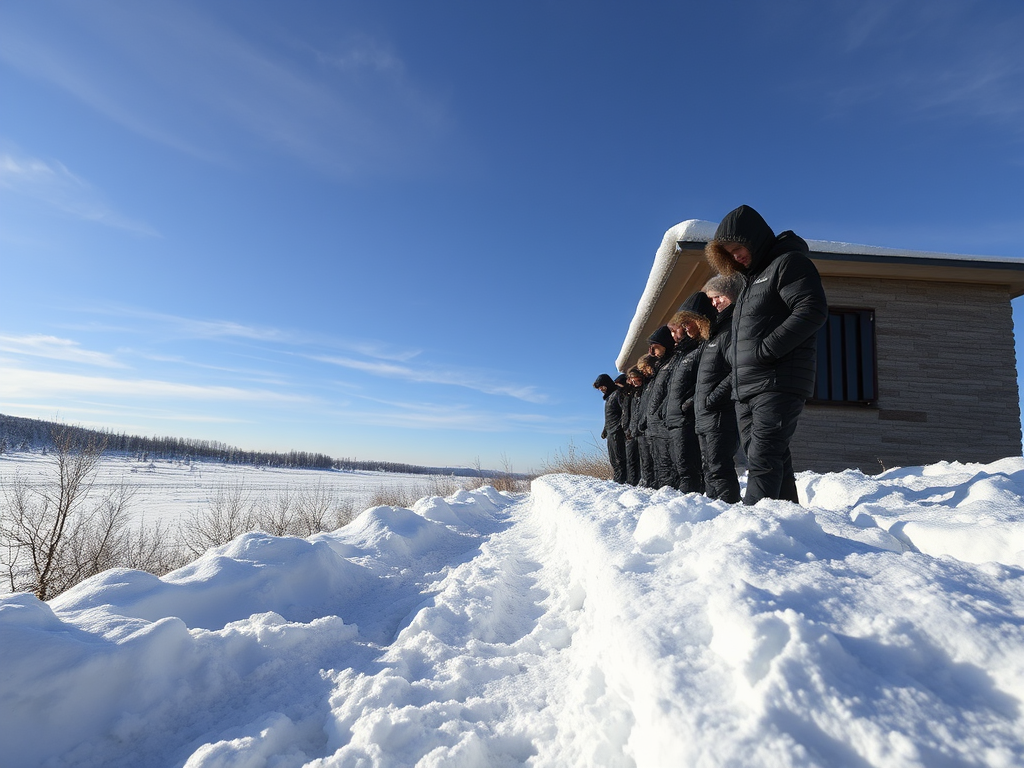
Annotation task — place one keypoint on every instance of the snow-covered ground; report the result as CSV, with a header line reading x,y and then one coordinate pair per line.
x,y
582,624
169,490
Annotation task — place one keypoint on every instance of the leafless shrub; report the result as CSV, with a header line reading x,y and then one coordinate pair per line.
x,y
233,510
396,496
154,549
592,461
53,535
472,483
446,485
319,508
95,540
343,512
229,513
507,480
275,514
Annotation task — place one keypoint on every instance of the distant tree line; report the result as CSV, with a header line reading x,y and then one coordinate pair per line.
x,y
21,434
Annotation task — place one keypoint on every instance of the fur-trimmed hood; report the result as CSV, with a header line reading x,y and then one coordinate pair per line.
x,y
699,309
647,365
747,227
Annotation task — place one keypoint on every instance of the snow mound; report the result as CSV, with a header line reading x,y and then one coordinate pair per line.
x,y
968,511
584,624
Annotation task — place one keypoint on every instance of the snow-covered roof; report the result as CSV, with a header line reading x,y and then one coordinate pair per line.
x,y
678,267
697,231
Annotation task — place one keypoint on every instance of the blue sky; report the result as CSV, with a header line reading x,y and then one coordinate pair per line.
x,y
417,231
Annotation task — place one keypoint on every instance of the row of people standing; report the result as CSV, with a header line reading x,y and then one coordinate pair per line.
x,y
669,420
733,366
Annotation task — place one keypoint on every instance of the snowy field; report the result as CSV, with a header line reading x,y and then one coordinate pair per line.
x,y
582,624
169,490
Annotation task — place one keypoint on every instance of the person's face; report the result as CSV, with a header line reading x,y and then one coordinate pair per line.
x,y
677,333
692,328
739,253
719,301
602,389
657,350
634,381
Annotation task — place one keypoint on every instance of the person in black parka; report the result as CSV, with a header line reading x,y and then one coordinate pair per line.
x,y
613,426
652,422
629,397
714,413
690,326
644,370
773,345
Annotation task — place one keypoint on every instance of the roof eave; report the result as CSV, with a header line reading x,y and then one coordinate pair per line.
x,y
680,269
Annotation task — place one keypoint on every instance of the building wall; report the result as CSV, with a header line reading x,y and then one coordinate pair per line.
x,y
947,380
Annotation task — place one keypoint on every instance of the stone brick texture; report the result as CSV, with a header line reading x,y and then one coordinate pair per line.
x,y
947,380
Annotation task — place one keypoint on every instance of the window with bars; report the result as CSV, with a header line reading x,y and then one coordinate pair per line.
x,y
847,370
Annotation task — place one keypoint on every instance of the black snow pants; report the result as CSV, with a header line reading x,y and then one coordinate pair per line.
x,y
664,467
646,462
686,457
633,461
617,455
718,446
767,422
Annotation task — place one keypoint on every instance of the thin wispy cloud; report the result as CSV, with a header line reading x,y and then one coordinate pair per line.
x,y
955,60
171,72
283,372
363,54
253,375
54,348
27,383
214,329
55,412
458,378
52,184
426,416
382,351
188,327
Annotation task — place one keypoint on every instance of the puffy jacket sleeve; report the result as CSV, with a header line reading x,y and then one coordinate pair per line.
x,y
720,396
799,286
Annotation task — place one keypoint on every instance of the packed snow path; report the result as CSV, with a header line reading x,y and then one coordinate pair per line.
x,y
583,624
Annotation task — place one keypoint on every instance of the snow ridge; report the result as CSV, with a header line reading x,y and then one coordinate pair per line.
x,y
585,623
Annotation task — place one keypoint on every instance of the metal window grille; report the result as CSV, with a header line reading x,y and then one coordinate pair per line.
x,y
847,367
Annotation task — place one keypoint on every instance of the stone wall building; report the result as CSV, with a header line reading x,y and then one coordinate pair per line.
x,y
915,366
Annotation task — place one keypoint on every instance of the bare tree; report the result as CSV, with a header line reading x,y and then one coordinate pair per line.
x,y
53,535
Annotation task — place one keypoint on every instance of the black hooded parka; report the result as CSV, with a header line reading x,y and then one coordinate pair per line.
x,y
715,415
614,434
773,345
778,313
652,422
713,392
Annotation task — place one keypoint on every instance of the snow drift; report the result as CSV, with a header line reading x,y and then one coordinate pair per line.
x,y
585,623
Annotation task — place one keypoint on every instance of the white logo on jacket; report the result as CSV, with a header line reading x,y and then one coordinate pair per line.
x,y
761,280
